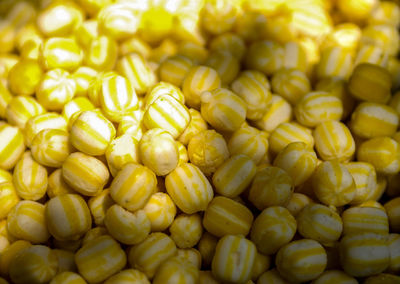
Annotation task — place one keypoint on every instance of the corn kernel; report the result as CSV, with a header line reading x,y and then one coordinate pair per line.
x,y
279,111
271,186
229,42
234,175
85,174
10,253
8,198
40,122
272,229
364,176
301,260
99,259
66,260
102,53
223,109
160,210
381,152
133,186
364,254
27,221
333,184
11,146
151,253
174,69
91,132
297,202
382,278
68,217
298,161
253,87
225,216
35,264
186,230
189,188
24,77
167,113
334,276
67,277
288,132
292,84
320,223
207,150
333,140
392,208
20,109
317,107
370,82
265,56
225,64
137,71
233,269
198,80
128,276
271,277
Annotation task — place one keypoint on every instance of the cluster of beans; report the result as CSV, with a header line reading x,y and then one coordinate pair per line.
x,y
199,141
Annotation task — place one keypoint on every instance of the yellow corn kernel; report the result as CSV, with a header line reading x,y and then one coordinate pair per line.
x,y
333,140
208,150
225,216
137,71
392,208
387,13
8,198
68,217
292,84
56,89
195,52
34,264
5,176
364,254
167,113
35,124
383,36
288,132
301,260
58,52
319,223
370,82
334,276
189,188
51,147
151,253
231,269
174,69
128,276
265,56
335,62
99,205
91,132
30,178
369,53
356,10
133,186
234,175
358,220
20,109
297,202
382,278
271,277
317,107
271,186
372,120
85,174
67,277
272,229
5,98
249,141
381,152
298,160
27,221
24,77
223,109
333,184
66,260
226,65
279,111
11,146
253,87
57,185
99,259
161,211
59,19
206,248
102,53
364,176
186,230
